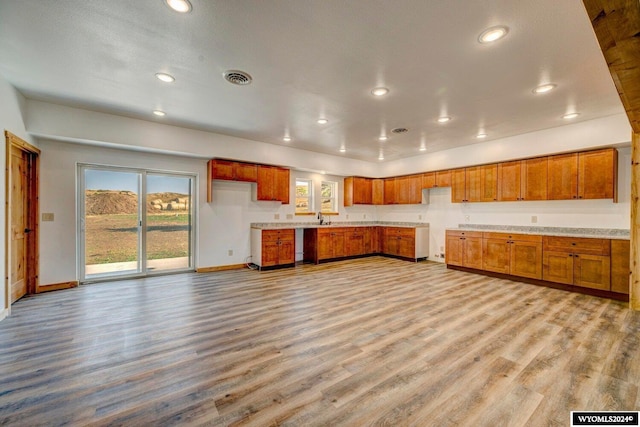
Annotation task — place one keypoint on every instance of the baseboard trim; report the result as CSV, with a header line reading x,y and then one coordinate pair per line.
x,y
56,286
3,314
220,268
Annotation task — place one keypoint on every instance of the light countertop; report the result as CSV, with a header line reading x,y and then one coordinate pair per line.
x,y
601,233
281,225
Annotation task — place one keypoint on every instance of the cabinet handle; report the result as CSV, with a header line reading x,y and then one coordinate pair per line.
x,y
577,256
571,255
575,197
579,197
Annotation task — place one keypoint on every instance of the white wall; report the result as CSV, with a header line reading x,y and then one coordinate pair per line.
x,y
11,114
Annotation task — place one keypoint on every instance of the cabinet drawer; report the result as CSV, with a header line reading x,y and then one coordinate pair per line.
x,y
457,233
512,236
274,235
399,231
581,245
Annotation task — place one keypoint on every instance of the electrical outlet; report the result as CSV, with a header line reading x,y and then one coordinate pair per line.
x,y
442,255
534,219
347,216
441,248
230,252
467,218
289,216
276,216
419,216
47,216
364,216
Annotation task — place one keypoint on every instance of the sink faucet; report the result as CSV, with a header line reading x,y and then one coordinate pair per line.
x,y
320,217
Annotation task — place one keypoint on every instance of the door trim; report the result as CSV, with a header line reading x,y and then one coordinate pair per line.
x,y
33,200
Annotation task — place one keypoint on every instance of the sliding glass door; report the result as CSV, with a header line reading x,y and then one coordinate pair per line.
x,y
133,222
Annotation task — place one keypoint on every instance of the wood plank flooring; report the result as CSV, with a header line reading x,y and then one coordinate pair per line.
x,y
372,341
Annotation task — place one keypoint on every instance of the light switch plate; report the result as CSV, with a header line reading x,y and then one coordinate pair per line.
x,y
48,216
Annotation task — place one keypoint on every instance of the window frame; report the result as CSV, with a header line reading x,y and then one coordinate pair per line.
x,y
310,206
333,198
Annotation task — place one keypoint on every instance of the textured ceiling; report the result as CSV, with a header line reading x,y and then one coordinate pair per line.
x,y
312,59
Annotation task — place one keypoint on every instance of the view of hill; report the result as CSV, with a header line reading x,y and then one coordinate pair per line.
x,y
109,202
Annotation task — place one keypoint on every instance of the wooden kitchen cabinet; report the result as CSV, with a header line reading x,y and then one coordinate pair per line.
x,y
466,184
458,186
510,179
534,179
443,178
324,243
358,191
355,241
489,183
390,192
582,262
270,248
377,189
429,180
398,241
598,174
463,248
273,184
562,181
514,254
234,171
620,266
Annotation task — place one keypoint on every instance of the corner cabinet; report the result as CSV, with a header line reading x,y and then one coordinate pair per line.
x,y
273,184
273,248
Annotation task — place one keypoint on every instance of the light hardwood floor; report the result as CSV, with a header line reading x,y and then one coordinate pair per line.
x,y
373,341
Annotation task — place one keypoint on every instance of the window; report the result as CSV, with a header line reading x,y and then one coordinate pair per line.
x,y
329,193
304,196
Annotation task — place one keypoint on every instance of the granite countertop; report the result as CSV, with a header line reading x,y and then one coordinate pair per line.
x,y
602,233
279,225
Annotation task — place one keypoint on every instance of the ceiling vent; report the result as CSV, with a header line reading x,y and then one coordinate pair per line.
x,y
400,130
237,77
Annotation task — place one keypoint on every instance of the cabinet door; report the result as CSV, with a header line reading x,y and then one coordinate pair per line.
x,y
458,186
620,266
597,174
270,253
390,195
473,184
406,247
415,189
348,191
282,184
592,271
362,191
286,254
377,189
557,267
495,255
354,243
403,190
453,247
266,183
443,179
510,182
246,172
534,179
473,252
428,180
526,259
489,183
338,243
222,169
563,177
325,244
375,240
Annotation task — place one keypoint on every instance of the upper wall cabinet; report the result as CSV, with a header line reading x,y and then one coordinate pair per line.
x,y
273,184
586,175
523,180
358,191
234,171
562,181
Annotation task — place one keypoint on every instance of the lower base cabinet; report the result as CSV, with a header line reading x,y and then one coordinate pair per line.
x,y
593,263
272,248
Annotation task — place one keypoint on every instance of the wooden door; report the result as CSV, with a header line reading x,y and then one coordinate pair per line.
x,y
526,259
510,181
597,174
592,271
495,255
473,252
458,187
22,211
562,181
489,183
453,246
557,267
534,179
473,184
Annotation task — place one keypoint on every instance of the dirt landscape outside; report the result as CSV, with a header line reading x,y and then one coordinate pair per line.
x,y
111,223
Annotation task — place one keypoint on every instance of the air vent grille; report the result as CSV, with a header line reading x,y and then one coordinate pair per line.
x,y
400,130
237,77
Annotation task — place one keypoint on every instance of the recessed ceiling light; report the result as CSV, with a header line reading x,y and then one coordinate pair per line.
x,y
381,157
443,119
383,138
323,121
570,116
493,34
286,139
159,113
182,6
423,148
167,78
481,135
379,91
343,150
544,88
